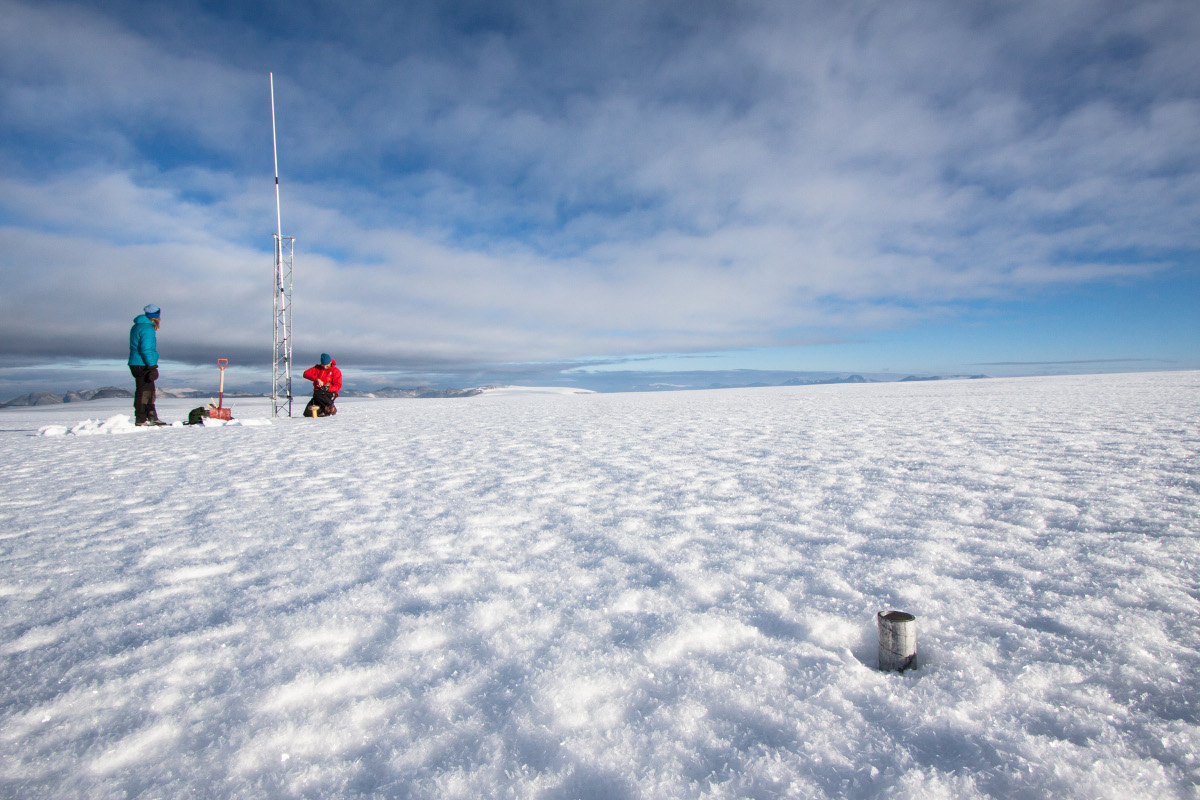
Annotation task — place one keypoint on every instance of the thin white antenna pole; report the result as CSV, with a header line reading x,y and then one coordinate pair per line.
x,y
281,369
275,148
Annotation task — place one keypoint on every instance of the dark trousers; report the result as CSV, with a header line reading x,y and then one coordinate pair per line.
x,y
322,401
143,392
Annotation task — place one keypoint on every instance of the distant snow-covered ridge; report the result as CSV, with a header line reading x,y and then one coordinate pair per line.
x,y
523,390
424,392
110,392
393,392
50,398
107,393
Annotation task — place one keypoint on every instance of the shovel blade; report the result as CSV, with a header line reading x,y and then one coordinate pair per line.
x,y
220,413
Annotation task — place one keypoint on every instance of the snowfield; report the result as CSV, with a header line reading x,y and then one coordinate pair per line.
x,y
550,595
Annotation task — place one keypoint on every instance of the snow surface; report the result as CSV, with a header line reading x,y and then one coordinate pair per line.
x,y
611,596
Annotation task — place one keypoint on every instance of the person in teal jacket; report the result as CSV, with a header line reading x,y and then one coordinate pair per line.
x,y
143,363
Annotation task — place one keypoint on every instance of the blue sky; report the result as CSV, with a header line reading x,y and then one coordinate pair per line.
x,y
489,191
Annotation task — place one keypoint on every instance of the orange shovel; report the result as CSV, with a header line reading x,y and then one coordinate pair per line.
x,y
220,412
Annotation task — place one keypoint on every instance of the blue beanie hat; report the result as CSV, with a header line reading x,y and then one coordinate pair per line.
x,y
325,359
152,311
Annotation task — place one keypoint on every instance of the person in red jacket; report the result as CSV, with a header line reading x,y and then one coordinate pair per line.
x,y
327,382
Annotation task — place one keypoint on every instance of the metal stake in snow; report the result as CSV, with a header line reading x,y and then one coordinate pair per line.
x,y
281,360
897,640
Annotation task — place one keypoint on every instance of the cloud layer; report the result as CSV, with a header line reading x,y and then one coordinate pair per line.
x,y
484,183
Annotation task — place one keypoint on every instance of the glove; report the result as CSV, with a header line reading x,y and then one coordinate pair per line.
x,y
152,374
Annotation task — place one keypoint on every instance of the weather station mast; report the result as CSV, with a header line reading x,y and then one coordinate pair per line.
x,y
281,360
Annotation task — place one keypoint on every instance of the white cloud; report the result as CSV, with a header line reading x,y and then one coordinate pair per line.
x,y
626,180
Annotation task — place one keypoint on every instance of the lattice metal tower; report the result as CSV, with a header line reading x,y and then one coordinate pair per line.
x,y
281,372
281,362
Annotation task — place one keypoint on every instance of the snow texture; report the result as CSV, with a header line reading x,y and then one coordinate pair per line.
x,y
546,595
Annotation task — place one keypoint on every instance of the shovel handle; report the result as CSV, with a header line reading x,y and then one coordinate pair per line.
x,y
222,363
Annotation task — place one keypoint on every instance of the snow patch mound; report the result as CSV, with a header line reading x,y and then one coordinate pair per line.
x,y
503,391
123,423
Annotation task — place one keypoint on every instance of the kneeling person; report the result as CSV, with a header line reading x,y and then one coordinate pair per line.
x,y
327,382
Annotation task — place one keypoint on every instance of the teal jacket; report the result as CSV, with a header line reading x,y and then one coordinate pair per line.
x,y
143,344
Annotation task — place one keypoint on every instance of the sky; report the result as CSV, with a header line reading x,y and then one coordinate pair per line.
x,y
541,192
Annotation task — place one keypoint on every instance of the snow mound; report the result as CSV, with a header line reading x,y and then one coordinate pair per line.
x,y
119,423
247,423
502,391
122,423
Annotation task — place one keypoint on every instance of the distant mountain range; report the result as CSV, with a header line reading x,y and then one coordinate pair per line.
x,y
682,380
823,380
110,392
420,393
657,382
819,381
106,393
861,379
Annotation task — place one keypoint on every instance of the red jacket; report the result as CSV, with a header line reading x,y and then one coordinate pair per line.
x,y
331,376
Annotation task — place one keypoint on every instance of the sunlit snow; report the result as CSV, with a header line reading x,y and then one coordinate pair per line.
x,y
550,595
